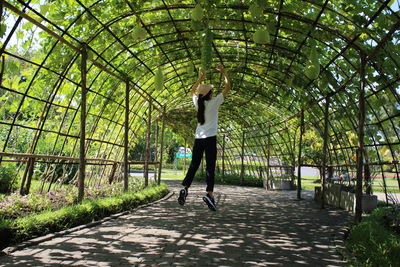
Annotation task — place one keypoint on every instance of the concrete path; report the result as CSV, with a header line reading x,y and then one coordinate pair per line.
x,y
252,227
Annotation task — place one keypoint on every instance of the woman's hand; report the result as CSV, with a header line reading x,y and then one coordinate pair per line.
x,y
202,74
221,68
227,81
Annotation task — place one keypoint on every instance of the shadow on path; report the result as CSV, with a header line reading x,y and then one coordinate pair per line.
x,y
252,227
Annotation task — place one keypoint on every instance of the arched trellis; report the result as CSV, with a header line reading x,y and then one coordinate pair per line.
x,y
177,46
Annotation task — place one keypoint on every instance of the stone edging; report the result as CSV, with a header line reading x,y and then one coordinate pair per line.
x,y
38,240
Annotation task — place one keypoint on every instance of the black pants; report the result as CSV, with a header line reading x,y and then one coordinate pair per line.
x,y
209,145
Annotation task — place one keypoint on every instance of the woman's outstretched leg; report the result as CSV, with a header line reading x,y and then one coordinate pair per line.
x,y
197,154
211,157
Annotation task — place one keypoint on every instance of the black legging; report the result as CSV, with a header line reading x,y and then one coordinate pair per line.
x,y
209,145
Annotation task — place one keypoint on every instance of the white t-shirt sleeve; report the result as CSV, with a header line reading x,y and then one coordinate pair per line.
x,y
219,99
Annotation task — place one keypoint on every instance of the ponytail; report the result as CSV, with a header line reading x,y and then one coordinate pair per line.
x,y
200,110
201,107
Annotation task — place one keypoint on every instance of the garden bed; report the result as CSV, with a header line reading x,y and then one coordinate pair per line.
x,y
375,241
37,224
14,205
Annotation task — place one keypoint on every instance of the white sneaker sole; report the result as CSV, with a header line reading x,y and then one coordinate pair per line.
x,y
209,203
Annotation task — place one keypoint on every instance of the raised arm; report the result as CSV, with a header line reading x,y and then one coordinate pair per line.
x,y
227,81
201,77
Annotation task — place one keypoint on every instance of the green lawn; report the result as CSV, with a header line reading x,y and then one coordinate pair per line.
x,y
172,174
307,183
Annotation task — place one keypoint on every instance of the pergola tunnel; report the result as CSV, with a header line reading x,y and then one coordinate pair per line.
x,y
87,84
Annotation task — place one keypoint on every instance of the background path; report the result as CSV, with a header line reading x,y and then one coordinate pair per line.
x,y
252,227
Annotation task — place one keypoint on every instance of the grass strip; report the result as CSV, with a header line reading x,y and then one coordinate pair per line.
x,y
39,224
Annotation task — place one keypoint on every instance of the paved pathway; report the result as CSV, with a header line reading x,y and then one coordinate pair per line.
x,y
252,227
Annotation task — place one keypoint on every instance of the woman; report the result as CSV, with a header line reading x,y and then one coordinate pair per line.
x,y
205,137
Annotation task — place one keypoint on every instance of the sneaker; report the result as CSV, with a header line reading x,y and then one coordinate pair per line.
x,y
210,202
182,196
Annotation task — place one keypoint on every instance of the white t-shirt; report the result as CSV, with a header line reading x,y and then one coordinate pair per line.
x,y
210,126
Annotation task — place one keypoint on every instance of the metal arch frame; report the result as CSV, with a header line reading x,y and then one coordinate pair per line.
x,y
388,115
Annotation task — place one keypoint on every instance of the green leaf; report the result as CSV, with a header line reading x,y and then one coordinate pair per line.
x,y
44,9
20,34
12,67
3,29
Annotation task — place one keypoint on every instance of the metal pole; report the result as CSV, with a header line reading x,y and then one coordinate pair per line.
x,y
223,157
112,173
299,160
126,141
25,183
325,147
30,174
3,60
156,152
82,147
147,154
268,155
360,133
162,146
242,166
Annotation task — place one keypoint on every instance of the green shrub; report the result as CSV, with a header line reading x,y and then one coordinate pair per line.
x,y
34,225
233,179
7,175
373,243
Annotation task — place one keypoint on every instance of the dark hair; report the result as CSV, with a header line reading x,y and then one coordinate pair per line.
x,y
201,109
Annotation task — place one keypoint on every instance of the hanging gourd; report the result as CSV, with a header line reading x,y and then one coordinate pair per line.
x,y
197,13
206,50
312,68
139,33
314,56
158,80
261,36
